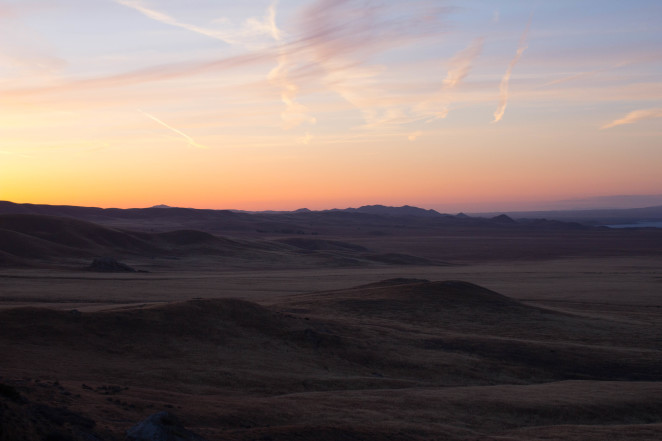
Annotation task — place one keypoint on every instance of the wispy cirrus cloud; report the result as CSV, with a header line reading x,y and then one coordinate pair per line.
x,y
252,29
459,67
633,117
188,139
295,113
150,74
330,47
340,37
461,63
505,80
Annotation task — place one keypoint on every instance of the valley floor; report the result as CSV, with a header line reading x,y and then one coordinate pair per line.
x,y
563,349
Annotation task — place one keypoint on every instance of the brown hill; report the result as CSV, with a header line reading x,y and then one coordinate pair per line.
x,y
417,333
27,239
35,236
413,300
427,360
16,245
321,244
469,320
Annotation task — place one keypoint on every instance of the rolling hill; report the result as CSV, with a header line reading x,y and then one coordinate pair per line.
x,y
32,239
426,360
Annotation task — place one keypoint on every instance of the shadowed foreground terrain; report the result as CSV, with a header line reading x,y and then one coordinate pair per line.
x,y
398,359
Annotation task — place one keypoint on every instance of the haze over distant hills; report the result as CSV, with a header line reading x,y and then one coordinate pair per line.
x,y
607,202
580,203
164,217
590,217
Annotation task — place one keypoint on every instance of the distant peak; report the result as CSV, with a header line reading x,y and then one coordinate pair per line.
x,y
405,210
503,219
161,206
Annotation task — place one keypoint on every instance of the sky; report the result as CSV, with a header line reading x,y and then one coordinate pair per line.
x,y
282,104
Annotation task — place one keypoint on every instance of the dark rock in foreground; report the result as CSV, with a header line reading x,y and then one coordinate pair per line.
x,y
162,426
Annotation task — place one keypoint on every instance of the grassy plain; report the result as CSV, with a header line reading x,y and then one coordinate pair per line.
x,y
546,341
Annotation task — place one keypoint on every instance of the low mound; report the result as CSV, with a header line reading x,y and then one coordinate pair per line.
x,y
394,281
424,294
417,302
149,330
227,343
457,293
321,244
401,259
109,265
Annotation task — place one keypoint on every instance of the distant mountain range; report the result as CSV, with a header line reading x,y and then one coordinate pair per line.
x,y
370,235
375,219
405,210
379,218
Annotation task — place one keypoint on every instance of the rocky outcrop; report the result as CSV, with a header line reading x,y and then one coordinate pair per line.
x,y
162,426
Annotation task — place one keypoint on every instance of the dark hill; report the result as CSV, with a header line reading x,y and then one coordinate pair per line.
x,y
359,364
469,320
199,319
49,239
36,237
15,246
349,222
403,297
321,244
76,234
405,210
503,219
410,333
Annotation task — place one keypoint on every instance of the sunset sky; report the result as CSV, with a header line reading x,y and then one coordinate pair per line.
x,y
255,105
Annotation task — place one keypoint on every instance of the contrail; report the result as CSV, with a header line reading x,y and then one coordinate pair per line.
x,y
633,117
294,113
166,19
190,140
252,27
503,87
